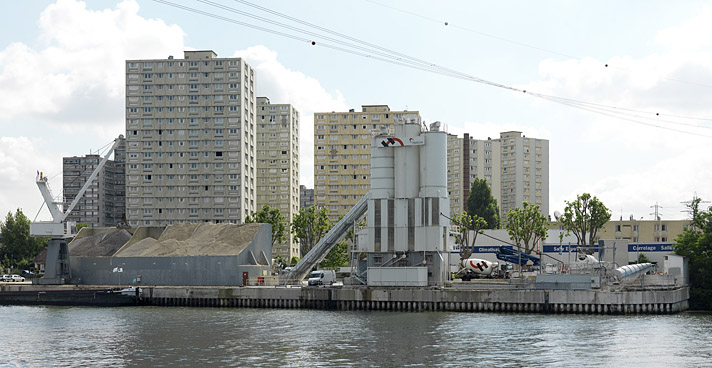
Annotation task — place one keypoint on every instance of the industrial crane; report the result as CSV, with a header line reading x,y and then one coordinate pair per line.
x,y
58,230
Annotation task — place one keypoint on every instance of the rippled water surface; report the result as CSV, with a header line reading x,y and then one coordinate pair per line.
x,y
162,336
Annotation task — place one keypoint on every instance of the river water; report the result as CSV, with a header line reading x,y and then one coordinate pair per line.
x,y
166,336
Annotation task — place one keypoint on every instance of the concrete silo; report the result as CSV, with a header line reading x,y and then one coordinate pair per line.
x,y
405,237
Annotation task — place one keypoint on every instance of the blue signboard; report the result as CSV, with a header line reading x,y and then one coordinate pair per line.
x,y
558,248
487,248
654,247
565,248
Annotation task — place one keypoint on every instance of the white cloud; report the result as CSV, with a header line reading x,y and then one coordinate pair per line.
x,y
20,159
667,182
76,79
305,93
73,84
690,35
628,164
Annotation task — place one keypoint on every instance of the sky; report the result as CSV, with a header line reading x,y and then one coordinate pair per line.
x,y
631,82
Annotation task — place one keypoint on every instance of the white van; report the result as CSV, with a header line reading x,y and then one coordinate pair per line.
x,y
322,277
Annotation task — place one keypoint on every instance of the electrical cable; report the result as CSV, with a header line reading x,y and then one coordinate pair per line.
x,y
473,31
375,52
449,24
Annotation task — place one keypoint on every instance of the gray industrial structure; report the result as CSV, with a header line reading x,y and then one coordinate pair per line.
x,y
183,254
406,232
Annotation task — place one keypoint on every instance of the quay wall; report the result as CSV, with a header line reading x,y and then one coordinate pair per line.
x,y
424,299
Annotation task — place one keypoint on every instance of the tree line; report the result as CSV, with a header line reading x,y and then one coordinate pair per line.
x,y
308,227
19,249
695,243
526,225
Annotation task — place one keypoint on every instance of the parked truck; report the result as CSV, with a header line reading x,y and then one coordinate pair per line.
x,y
474,268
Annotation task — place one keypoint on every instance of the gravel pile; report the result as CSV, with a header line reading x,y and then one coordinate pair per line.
x,y
103,244
203,239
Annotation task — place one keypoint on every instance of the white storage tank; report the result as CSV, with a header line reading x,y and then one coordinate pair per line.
x,y
433,165
407,160
382,173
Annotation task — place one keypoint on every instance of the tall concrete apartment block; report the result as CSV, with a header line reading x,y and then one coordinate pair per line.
x,y
306,197
104,202
342,154
516,168
278,165
191,136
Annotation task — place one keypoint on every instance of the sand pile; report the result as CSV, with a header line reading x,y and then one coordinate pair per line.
x,y
104,244
204,239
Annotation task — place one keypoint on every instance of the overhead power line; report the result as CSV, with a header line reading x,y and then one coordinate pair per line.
x,y
323,37
455,25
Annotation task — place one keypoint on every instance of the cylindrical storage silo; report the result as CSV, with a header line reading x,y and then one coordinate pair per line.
x,y
433,165
381,169
407,161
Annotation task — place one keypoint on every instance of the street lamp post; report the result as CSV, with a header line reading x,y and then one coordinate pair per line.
x,y
637,243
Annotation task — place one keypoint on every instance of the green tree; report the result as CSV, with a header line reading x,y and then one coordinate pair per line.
x,y
480,202
309,226
464,223
271,216
337,257
18,248
525,225
642,258
584,217
695,243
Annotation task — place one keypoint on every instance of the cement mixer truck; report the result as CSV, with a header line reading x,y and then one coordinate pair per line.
x,y
474,268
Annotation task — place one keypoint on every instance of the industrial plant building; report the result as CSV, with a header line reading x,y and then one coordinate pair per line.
x,y
192,140
104,202
406,237
181,254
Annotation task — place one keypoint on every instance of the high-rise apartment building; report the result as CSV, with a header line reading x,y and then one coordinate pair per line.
x,y
342,154
191,140
306,197
515,167
278,166
104,202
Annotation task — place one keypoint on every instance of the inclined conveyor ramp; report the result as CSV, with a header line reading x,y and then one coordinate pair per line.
x,y
322,248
